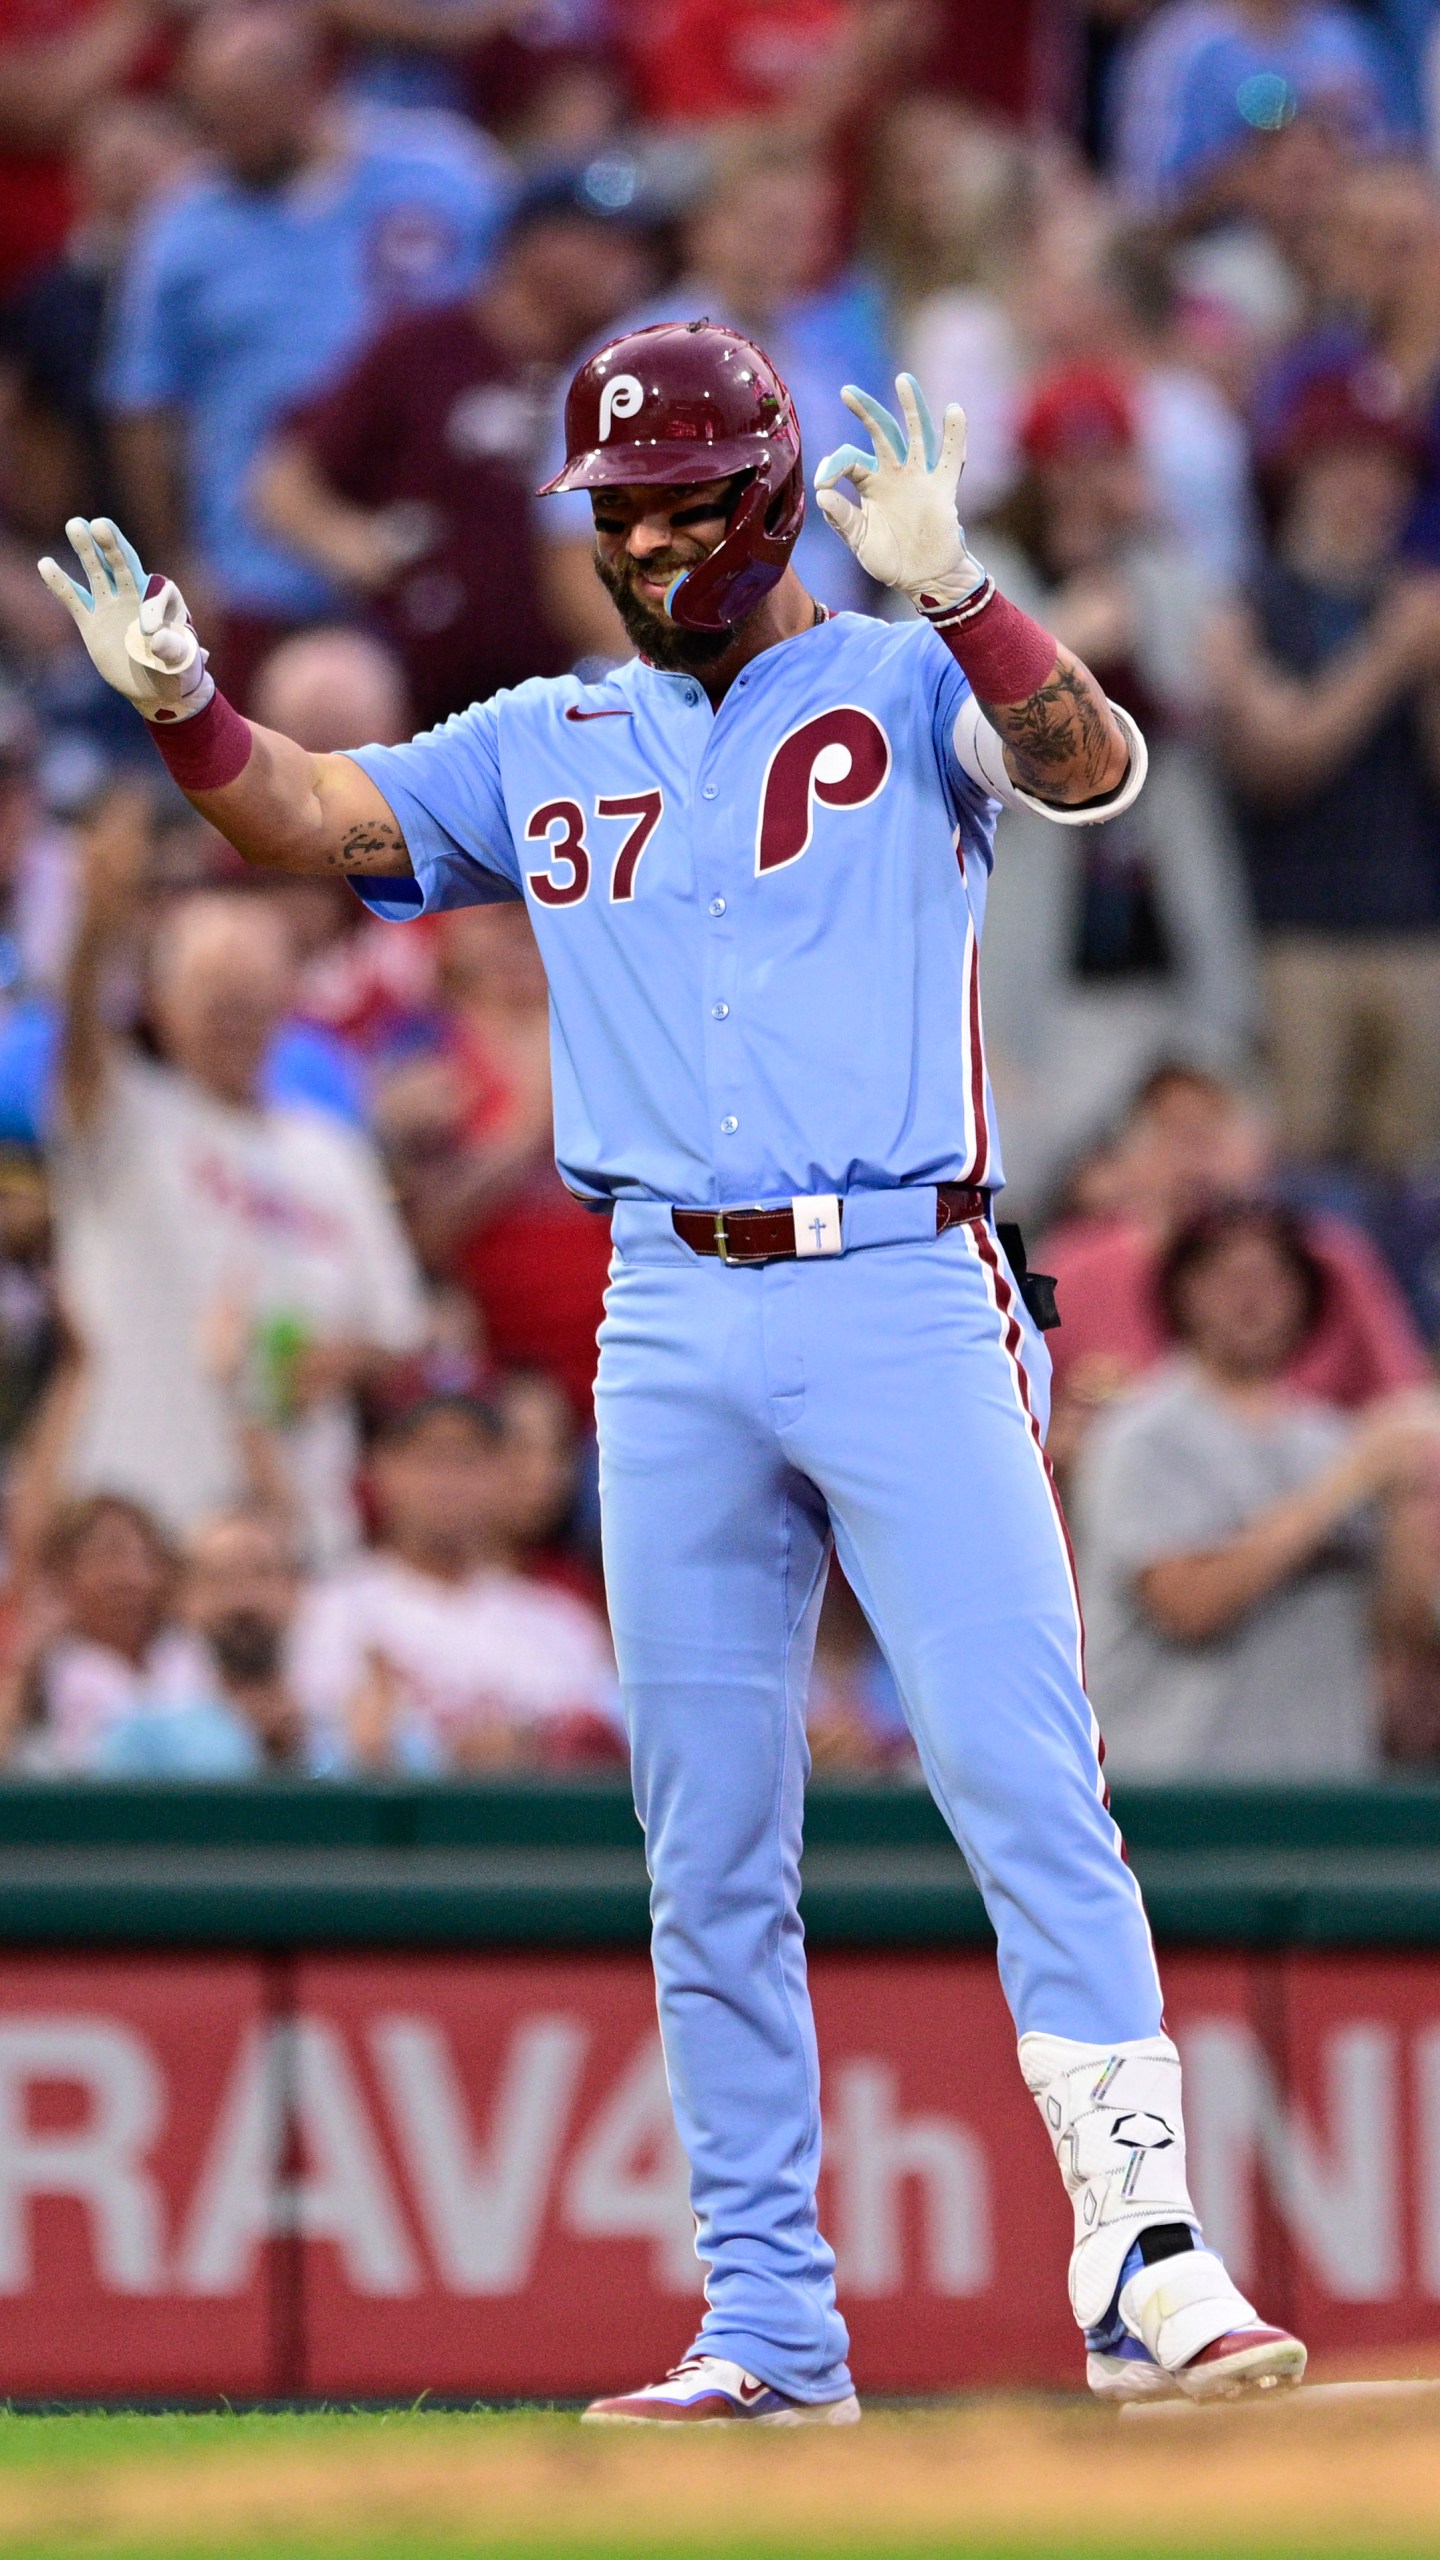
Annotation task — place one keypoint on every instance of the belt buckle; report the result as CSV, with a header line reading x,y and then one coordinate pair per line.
x,y
737,1261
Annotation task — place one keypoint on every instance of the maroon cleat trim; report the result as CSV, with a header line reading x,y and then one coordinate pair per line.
x,y
1241,2362
710,2405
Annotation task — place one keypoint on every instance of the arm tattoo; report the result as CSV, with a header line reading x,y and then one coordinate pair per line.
x,y
1062,734
367,847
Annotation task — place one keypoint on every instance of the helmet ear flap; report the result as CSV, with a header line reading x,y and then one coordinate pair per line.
x,y
786,511
742,569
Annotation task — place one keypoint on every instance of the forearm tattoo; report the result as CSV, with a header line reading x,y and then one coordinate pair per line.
x,y
371,846
1063,732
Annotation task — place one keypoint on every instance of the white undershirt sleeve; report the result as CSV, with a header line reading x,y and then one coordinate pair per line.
x,y
981,754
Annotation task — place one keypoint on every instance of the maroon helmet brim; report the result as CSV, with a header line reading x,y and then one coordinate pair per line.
x,y
666,464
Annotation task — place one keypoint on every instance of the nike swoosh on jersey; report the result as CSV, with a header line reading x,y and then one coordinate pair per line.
x,y
573,712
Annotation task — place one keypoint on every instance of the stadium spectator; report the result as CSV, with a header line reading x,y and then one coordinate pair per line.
x,y
57,58
1373,293
1088,294
382,1004
432,1653
30,1325
411,481
239,1588
470,1136
952,216
332,688
240,1591
539,1441
1411,28
551,1491
452,1360
36,867
1123,944
810,69
1409,1625
547,81
415,53
1222,1527
1372,315
1188,1145
127,151
308,1062
259,278
1205,78
760,253
1326,691
98,1636
226,1261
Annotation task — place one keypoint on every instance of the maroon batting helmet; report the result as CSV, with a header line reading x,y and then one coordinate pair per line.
x,y
681,403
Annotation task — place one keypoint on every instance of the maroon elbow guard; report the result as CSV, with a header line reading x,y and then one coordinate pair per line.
x,y
1005,655
208,750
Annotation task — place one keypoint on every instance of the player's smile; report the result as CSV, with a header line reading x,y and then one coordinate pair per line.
x,y
647,538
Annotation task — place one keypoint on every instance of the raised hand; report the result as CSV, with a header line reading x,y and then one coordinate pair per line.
x,y
904,531
135,628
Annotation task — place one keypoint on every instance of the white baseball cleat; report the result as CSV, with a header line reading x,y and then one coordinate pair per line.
x,y
1179,2329
709,2391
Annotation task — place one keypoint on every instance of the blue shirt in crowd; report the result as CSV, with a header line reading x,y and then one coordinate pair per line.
x,y
240,301
307,1066
1200,80
201,1738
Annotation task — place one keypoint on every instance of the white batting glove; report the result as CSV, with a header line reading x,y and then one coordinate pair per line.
x,y
904,532
136,628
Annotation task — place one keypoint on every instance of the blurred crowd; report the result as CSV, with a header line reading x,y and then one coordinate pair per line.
x,y
297,1323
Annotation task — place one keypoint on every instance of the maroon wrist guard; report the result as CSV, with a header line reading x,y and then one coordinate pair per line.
x,y
208,750
1004,654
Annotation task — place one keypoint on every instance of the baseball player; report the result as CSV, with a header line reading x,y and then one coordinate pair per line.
x,y
756,858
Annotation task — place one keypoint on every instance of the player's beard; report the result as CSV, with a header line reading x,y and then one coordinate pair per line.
x,y
665,643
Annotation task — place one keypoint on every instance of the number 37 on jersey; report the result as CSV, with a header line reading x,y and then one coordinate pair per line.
x,y
840,758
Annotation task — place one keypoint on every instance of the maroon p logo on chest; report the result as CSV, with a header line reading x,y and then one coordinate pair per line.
x,y
840,757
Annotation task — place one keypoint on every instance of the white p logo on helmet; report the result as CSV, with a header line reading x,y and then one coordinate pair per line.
x,y
622,396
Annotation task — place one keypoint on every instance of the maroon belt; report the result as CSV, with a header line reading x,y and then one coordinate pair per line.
x,y
768,1235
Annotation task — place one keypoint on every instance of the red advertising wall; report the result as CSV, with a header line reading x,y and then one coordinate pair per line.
x,y
381,2175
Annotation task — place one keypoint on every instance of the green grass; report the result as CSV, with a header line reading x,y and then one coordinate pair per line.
x,y
111,2435
420,2485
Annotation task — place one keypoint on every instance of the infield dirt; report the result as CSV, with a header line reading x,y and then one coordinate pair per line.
x,y
1333,2481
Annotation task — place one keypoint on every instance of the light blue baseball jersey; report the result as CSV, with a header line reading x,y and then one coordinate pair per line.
x,y
761,923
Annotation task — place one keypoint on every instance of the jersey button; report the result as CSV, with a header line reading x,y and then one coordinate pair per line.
x,y
717,906
729,1125
691,696
719,1011
709,791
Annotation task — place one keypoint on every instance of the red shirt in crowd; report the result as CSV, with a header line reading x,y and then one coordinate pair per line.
x,y
35,195
703,61
1365,1344
693,61
537,1266
35,185
434,416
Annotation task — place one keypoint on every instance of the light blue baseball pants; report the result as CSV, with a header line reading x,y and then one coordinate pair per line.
x,y
895,1398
